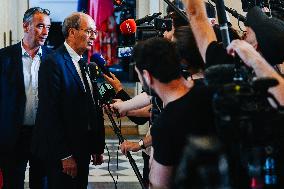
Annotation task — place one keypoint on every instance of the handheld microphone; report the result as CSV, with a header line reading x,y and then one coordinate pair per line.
x,y
222,18
128,27
107,93
100,62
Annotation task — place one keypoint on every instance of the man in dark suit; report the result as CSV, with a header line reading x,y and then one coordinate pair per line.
x,y
70,120
19,66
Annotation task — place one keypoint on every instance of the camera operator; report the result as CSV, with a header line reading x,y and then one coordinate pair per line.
x,y
264,33
159,71
260,66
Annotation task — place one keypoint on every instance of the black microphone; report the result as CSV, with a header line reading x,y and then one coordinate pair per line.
x,y
222,18
147,18
100,62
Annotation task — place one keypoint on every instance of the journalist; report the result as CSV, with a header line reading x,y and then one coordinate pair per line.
x,y
159,72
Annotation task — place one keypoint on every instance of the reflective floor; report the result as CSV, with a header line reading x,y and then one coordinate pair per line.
x,y
119,167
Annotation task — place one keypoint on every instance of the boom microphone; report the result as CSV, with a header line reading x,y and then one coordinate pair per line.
x,y
222,18
147,18
128,27
100,62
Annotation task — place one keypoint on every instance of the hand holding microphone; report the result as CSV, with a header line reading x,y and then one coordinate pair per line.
x,y
114,82
100,62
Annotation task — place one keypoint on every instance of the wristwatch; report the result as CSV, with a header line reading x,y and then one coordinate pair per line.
x,y
141,144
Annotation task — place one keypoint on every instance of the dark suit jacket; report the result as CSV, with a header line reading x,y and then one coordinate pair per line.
x,y
12,95
62,124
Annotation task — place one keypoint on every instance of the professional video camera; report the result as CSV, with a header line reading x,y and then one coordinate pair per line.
x,y
249,126
152,26
247,123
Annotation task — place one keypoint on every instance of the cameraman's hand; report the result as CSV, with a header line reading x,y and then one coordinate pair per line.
x,y
118,105
129,146
114,82
245,51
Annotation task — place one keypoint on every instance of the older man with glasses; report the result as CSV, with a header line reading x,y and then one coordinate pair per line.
x,y
70,126
19,65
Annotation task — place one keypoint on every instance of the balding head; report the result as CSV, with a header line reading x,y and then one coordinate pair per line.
x,y
73,21
80,32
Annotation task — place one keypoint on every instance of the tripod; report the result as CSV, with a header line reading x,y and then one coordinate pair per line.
x,y
121,139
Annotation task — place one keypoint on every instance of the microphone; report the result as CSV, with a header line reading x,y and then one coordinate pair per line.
x,y
100,62
222,18
128,27
107,93
118,2
147,18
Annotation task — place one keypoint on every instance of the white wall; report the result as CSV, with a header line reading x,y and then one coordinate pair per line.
x,y
237,5
146,7
11,16
59,9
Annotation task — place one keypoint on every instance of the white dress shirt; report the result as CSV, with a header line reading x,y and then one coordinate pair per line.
x,y
30,71
75,58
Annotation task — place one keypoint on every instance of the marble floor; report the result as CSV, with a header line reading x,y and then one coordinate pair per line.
x,y
115,163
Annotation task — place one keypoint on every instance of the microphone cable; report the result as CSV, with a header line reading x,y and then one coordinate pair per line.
x,y
108,168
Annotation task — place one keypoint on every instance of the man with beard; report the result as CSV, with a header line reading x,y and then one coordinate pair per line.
x,y
184,106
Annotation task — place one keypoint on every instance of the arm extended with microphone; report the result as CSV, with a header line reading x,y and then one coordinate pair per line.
x,y
105,94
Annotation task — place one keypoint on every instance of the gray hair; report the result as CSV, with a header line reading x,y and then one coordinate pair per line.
x,y
32,11
72,21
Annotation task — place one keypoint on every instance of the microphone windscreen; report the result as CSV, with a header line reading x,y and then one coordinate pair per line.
x,y
98,59
128,27
100,62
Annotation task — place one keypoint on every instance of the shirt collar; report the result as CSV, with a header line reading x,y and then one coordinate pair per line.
x,y
72,53
25,53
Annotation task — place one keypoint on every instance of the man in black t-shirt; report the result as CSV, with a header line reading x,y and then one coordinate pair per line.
x,y
187,108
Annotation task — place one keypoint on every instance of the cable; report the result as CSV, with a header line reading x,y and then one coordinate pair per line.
x,y
114,181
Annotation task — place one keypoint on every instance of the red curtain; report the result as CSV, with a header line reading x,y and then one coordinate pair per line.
x,y
106,43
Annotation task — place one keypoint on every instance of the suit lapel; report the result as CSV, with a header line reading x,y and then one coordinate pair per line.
x,y
18,63
70,65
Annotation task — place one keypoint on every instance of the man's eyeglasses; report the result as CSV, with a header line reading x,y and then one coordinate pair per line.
x,y
90,32
30,12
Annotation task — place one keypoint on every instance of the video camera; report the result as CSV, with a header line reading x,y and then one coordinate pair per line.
x,y
249,125
155,28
